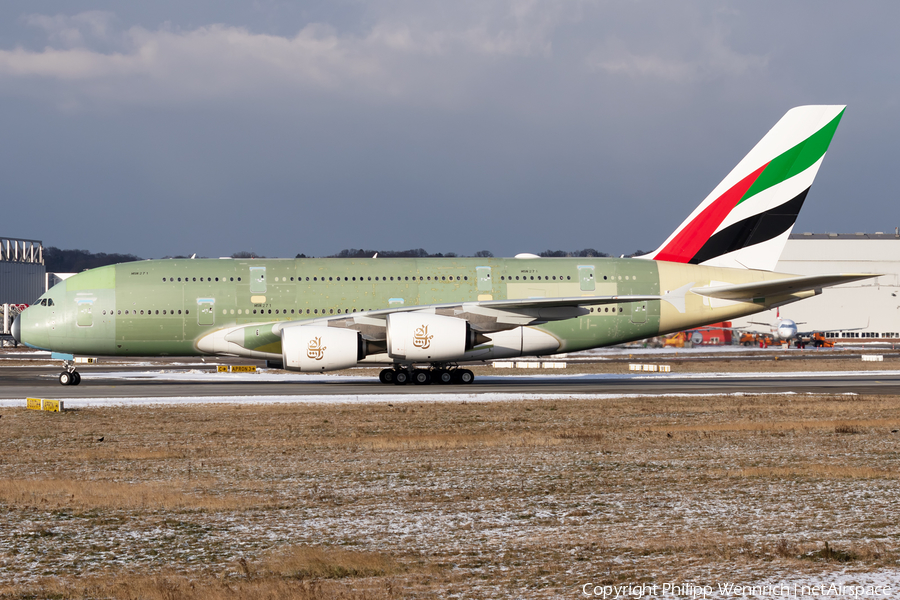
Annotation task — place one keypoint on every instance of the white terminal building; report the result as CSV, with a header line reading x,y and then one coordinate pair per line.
x,y
864,309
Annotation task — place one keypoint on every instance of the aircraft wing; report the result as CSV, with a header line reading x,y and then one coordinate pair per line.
x,y
749,292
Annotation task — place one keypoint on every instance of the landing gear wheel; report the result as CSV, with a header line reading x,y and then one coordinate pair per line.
x,y
401,377
442,376
463,376
466,376
421,377
76,377
65,378
386,376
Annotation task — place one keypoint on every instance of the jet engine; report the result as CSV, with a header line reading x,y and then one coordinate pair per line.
x,y
787,329
321,348
426,337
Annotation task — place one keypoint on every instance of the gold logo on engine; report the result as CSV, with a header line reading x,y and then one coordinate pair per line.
x,y
315,350
421,339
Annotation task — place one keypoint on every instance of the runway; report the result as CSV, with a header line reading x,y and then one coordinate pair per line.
x,y
170,381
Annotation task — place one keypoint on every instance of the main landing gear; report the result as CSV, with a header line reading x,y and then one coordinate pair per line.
x,y
439,375
70,376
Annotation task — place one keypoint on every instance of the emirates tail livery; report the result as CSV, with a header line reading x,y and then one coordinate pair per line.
x,y
422,317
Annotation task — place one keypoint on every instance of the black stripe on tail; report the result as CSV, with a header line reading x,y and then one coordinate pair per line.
x,y
753,230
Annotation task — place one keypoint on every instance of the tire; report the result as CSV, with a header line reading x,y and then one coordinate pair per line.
x,y
466,376
401,377
76,377
386,376
421,377
65,378
442,376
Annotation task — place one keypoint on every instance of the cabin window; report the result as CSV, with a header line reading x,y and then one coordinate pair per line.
x,y
331,311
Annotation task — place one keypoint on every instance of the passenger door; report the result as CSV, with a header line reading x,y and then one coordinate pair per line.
x,y
586,277
257,280
206,314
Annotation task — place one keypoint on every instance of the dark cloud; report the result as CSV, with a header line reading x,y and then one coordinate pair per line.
x,y
213,127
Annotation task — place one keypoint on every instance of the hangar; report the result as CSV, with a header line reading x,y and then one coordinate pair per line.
x,y
22,276
867,309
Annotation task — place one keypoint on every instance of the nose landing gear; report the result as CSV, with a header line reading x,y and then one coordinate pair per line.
x,y
70,376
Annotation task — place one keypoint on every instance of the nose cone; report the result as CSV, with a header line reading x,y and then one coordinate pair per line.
x,y
17,329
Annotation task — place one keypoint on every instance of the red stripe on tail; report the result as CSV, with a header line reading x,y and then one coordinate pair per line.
x,y
691,238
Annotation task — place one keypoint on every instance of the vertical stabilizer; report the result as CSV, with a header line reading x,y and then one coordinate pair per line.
x,y
746,220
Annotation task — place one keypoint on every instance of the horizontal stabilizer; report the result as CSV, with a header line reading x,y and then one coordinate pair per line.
x,y
778,287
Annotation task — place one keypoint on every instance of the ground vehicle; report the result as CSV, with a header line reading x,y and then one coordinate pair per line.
x,y
816,340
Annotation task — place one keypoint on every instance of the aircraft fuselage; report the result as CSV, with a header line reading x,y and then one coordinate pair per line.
x,y
175,307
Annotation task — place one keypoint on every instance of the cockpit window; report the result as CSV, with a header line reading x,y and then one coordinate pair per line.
x,y
46,302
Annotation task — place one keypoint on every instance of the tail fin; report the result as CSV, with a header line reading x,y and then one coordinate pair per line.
x,y
747,219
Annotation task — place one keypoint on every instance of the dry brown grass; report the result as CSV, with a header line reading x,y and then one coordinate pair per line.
x,y
59,493
504,499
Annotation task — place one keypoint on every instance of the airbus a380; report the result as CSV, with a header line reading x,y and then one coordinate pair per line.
x,y
424,316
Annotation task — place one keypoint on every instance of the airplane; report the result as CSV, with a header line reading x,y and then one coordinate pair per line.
x,y
785,330
422,317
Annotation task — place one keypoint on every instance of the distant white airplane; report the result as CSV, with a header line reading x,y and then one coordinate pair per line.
x,y
785,329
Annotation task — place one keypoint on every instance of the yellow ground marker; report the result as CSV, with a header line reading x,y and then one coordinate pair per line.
x,y
42,404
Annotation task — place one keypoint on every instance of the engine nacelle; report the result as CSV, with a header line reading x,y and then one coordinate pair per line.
x,y
426,337
311,349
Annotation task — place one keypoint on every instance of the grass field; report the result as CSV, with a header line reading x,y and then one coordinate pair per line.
x,y
494,500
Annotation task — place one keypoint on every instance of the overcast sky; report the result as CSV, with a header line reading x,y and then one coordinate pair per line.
x,y
211,127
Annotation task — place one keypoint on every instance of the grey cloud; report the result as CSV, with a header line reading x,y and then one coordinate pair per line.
x,y
209,127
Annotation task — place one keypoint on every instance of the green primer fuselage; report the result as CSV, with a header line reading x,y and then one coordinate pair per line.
x,y
161,307
173,307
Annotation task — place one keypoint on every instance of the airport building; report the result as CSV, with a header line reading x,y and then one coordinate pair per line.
x,y
863,310
22,277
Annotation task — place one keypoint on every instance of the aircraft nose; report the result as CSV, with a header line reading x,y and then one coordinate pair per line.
x,y
17,329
